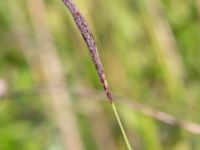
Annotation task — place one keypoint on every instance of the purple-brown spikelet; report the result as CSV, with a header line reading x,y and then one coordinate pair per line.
x,y
88,37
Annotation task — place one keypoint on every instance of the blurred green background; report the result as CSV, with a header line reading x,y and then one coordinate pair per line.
x,y
50,94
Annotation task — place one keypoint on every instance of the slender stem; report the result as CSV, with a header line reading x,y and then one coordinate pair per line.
x,y
121,127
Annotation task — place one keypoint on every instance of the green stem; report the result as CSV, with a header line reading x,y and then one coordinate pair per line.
x,y
121,127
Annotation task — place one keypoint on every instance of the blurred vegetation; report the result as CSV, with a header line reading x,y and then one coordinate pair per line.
x,y
150,52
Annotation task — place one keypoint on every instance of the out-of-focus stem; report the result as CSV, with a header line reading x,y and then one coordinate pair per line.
x,y
53,73
46,69
198,7
165,47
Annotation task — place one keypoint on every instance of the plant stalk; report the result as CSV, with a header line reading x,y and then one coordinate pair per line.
x,y
121,126
88,37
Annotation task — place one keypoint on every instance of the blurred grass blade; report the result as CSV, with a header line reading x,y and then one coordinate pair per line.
x,y
46,68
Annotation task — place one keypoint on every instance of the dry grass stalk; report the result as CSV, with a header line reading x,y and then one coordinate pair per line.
x,y
46,68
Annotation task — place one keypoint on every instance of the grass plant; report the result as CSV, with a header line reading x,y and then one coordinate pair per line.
x,y
88,37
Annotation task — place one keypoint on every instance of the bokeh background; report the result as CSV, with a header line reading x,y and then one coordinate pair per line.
x,y
52,99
